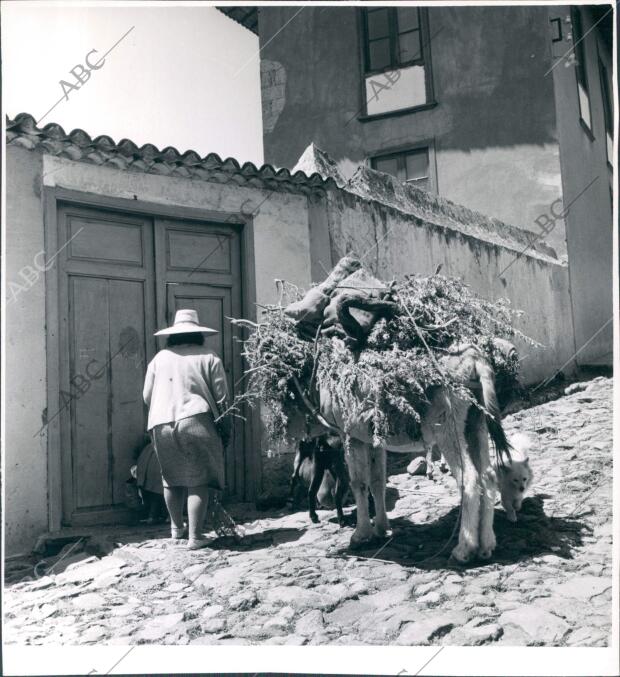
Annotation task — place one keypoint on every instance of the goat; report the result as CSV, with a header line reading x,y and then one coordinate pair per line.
x,y
320,463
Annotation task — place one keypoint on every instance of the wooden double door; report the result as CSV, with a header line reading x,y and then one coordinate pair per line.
x,y
121,278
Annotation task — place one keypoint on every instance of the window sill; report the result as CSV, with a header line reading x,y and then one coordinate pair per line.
x,y
394,113
392,69
586,129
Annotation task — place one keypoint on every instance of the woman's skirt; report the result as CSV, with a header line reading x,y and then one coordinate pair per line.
x,y
190,452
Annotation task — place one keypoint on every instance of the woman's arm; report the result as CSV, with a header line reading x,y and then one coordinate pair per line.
x,y
218,382
148,383
219,387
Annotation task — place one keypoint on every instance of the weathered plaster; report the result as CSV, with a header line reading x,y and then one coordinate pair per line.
x,y
493,128
394,244
25,449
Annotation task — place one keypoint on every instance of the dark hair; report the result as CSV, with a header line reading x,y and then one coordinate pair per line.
x,y
191,338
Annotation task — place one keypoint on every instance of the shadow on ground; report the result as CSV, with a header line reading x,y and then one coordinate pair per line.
x,y
428,546
258,541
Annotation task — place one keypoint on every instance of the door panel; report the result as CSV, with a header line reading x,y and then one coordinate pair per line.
x,y
212,287
186,251
122,277
116,243
127,368
107,320
89,421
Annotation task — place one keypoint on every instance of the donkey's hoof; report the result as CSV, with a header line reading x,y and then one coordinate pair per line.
x,y
315,519
381,533
362,543
487,546
462,554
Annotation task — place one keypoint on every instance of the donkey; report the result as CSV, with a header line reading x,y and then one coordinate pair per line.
x,y
460,429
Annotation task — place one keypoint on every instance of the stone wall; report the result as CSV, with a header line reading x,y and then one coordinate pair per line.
x,y
398,230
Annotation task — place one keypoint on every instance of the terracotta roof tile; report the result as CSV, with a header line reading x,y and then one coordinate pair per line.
x,y
126,155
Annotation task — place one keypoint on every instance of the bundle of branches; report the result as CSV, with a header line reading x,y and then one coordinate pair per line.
x,y
395,370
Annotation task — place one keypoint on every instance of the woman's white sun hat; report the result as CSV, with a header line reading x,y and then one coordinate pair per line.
x,y
186,322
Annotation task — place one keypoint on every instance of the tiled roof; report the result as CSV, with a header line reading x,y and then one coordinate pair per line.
x,y
246,16
103,150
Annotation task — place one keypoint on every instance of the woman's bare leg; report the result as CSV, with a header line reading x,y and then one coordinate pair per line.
x,y
197,502
174,502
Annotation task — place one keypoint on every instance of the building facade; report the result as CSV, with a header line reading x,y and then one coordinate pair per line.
x,y
505,110
583,86
454,99
105,240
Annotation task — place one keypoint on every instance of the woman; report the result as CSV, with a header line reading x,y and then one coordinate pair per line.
x,y
185,389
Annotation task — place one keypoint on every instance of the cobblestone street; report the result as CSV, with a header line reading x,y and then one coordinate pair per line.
x,y
292,582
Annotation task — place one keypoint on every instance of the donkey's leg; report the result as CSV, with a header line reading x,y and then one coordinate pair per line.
x,y
430,468
359,472
489,491
456,450
377,488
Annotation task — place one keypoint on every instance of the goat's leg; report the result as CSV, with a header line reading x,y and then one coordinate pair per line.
x,y
377,488
295,480
317,478
341,487
359,472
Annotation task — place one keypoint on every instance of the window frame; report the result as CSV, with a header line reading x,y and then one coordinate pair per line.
x,y
581,70
424,61
607,105
393,34
403,151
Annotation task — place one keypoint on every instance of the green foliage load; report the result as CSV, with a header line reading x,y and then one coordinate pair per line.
x,y
395,370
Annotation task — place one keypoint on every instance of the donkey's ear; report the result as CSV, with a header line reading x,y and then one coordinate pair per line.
x,y
526,459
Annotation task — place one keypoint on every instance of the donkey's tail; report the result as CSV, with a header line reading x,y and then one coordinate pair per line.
x,y
486,377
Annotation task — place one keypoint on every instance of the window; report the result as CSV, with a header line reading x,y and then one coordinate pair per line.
x,y
396,59
608,111
579,56
393,38
412,166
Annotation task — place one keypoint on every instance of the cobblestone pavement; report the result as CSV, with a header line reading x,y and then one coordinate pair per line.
x,y
292,582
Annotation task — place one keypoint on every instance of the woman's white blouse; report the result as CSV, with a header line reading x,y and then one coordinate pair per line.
x,y
176,381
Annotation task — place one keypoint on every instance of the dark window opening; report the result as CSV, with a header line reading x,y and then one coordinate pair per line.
x,y
396,60
408,167
579,56
608,111
393,38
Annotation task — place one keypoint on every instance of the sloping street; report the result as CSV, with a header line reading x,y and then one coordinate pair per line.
x,y
289,581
